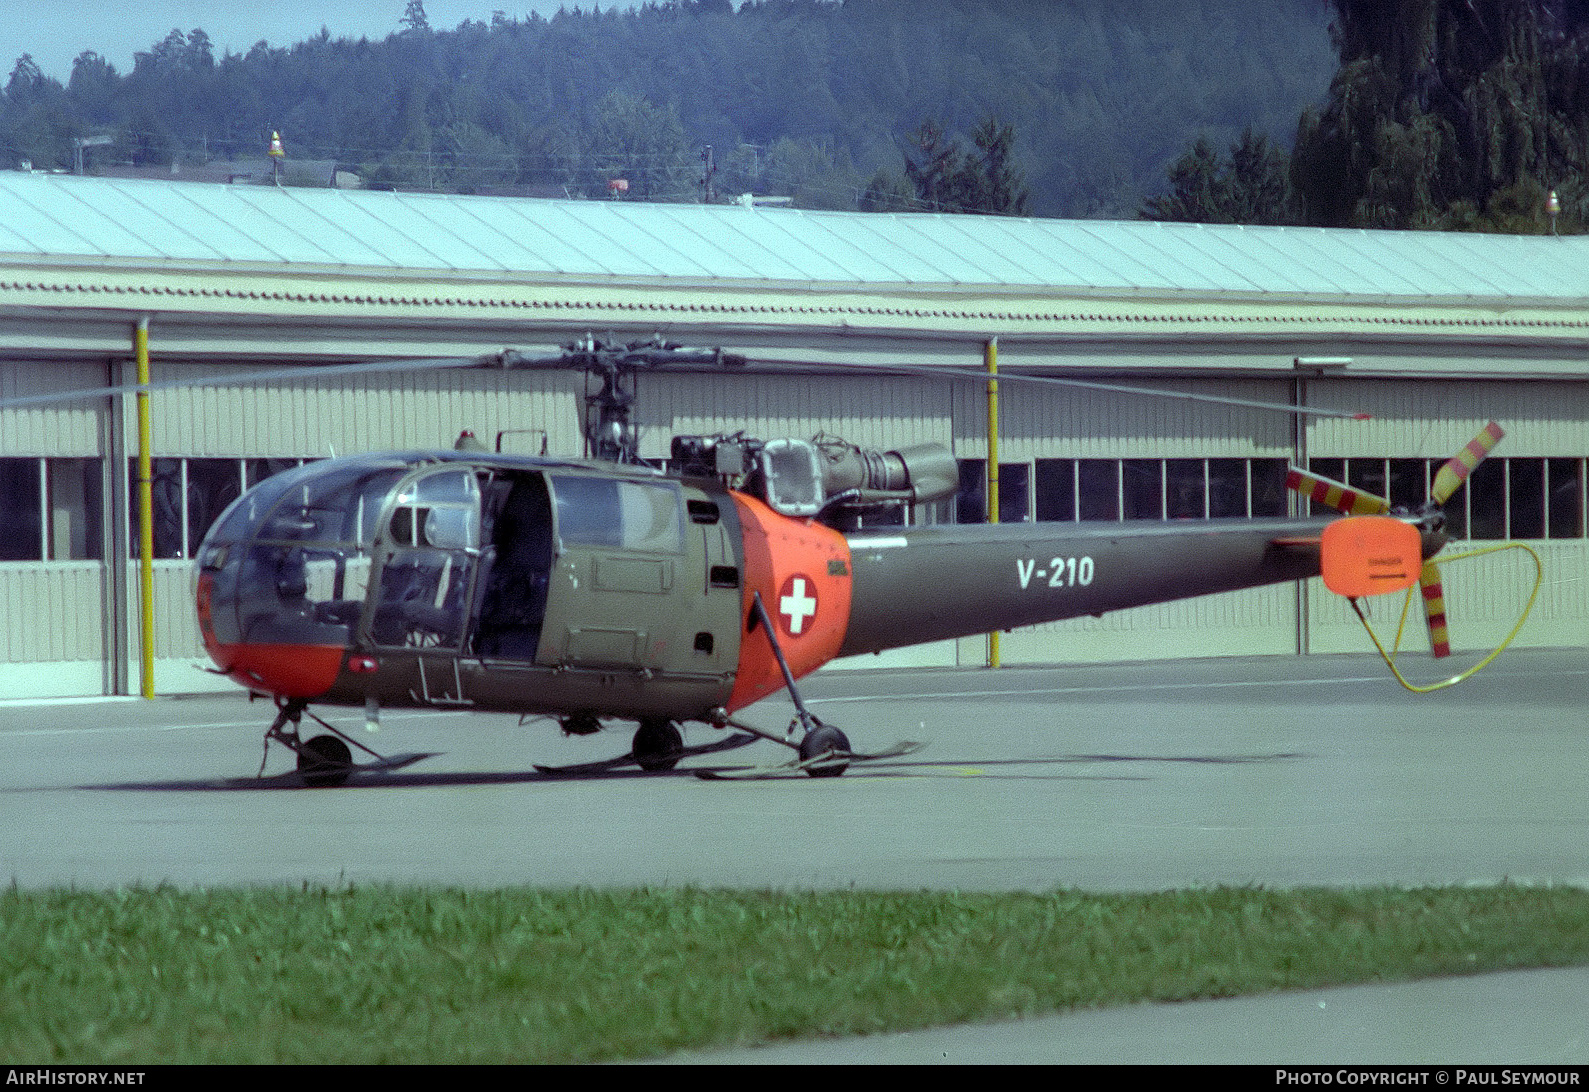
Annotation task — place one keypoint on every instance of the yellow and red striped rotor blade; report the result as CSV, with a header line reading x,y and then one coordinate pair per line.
x,y
1337,495
1450,477
1434,606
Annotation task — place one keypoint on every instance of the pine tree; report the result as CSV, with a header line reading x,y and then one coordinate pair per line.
x,y
948,179
1247,187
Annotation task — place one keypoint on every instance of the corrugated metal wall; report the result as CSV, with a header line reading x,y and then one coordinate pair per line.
x,y
1038,420
865,410
54,612
314,419
1433,419
59,430
1424,418
51,611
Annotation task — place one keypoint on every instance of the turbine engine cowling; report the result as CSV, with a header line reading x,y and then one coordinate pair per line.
x,y
809,477
920,473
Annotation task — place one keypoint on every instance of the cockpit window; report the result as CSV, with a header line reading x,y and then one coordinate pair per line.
x,y
243,513
623,514
441,511
428,571
313,505
289,562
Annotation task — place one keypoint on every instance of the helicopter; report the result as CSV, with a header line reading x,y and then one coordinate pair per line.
x,y
604,589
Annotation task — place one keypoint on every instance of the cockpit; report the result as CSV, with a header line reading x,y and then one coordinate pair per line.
x,y
289,562
426,552
385,551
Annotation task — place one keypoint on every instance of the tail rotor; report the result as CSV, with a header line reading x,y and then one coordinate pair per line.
x,y
1429,519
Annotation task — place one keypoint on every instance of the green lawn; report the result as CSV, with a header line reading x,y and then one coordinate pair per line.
x,y
385,974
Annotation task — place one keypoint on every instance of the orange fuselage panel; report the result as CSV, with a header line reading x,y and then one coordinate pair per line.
x,y
802,570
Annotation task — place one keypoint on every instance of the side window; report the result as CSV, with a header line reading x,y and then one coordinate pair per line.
x,y
619,514
20,505
1098,484
426,577
1056,490
1521,497
1142,488
1564,493
53,517
971,502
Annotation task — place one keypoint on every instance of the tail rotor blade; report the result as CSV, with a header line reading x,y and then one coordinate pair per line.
x,y
1450,477
1434,605
1334,494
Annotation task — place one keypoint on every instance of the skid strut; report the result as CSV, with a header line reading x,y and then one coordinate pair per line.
x,y
824,750
807,720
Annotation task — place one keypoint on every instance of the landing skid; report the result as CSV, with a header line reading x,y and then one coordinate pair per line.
x,y
739,739
391,762
297,777
797,767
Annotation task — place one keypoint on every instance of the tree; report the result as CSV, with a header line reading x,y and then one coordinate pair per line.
x,y
631,139
810,174
886,192
994,182
93,88
947,179
1094,98
932,166
25,81
414,20
476,159
1446,113
36,121
1248,187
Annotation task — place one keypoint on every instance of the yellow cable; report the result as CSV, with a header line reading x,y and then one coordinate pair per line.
x,y
1390,658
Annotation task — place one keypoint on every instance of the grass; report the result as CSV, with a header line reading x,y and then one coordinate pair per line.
x,y
386,974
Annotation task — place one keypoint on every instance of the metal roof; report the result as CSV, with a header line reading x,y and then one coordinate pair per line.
x,y
111,221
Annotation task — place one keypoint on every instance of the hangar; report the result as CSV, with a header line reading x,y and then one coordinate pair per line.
x,y
1431,334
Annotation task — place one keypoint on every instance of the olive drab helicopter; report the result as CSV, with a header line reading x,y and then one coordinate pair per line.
x,y
604,589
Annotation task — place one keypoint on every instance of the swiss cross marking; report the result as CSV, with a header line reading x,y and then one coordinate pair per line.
x,y
797,604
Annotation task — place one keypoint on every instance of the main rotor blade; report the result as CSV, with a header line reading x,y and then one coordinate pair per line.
x,y
1337,495
1062,381
712,358
1450,476
302,374
1434,606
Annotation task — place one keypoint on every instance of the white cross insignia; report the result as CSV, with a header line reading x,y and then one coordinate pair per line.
x,y
797,601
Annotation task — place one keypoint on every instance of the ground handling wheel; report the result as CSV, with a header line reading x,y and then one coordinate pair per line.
x,y
324,761
825,740
658,744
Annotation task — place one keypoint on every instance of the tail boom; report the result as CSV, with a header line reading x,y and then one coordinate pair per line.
x,y
913,585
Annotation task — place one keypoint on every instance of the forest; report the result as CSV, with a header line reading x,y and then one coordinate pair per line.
x,y
1442,114
1075,109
